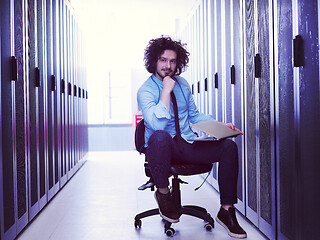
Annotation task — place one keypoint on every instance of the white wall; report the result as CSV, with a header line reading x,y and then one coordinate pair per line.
x,y
116,34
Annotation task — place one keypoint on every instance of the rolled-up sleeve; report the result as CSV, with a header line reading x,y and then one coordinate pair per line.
x,y
155,113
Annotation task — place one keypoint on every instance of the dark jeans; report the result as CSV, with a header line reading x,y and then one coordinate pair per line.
x,y
162,150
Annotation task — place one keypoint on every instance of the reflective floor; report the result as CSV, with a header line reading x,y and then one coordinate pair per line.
x,y
101,200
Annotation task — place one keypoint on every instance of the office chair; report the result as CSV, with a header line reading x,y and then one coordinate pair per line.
x,y
176,170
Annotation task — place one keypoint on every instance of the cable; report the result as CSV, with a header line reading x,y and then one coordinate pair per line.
x,y
202,182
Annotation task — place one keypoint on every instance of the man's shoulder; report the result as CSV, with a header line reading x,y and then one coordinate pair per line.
x,y
148,85
182,81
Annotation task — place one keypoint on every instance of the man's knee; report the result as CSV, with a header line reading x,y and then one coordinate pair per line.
x,y
160,138
230,146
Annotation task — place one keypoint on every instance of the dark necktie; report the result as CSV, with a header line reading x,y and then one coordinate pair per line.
x,y
176,121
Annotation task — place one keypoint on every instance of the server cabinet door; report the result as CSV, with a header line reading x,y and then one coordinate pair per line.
x,y
51,89
69,100
42,104
202,54
235,80
72,101
297,108
226,59
260,204
192,79
205,56
211,72
211,58
63,92
75,91
218,61
309,120
218,74
8,166
226,55
285,122
196,52
250,112
20,113
1,181
70,91
34,83
56,93
266,121
77,95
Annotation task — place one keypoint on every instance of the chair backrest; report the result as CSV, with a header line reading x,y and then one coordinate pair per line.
x,y
139,142
139,136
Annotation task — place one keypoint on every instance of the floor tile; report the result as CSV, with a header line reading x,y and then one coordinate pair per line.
x,y
101,201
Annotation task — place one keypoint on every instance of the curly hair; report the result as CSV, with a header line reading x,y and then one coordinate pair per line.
x,y
157,46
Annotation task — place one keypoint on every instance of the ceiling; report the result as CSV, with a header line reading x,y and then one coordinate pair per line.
x,y
169,8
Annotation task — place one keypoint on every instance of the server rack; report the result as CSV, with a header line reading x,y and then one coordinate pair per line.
x,y
263,67
35,111
297,117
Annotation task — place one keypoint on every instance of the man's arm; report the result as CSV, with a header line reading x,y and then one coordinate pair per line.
x,y
155,113
168,85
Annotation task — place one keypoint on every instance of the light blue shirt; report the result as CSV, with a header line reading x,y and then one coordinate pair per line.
x,y
156,115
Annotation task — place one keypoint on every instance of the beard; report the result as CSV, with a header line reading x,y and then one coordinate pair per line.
x,y
163,75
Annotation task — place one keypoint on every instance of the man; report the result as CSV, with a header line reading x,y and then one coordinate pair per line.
x,y
166,59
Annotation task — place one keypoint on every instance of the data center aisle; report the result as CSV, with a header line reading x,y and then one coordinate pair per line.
x,y
101,200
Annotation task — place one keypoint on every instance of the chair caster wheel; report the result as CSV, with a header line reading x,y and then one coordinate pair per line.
x,y
169,232
137,223
208,227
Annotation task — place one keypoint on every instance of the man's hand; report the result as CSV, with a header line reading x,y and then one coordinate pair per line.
x,y
230,125
168,85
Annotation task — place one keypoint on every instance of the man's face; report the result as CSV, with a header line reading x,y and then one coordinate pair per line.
x,y
167,64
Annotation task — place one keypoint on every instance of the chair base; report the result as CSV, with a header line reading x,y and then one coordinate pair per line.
x,y
190,210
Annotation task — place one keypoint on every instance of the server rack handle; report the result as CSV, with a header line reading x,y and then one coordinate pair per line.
x,y
37,75
216,80
14,69
53,83
298,51
257,66
233,74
